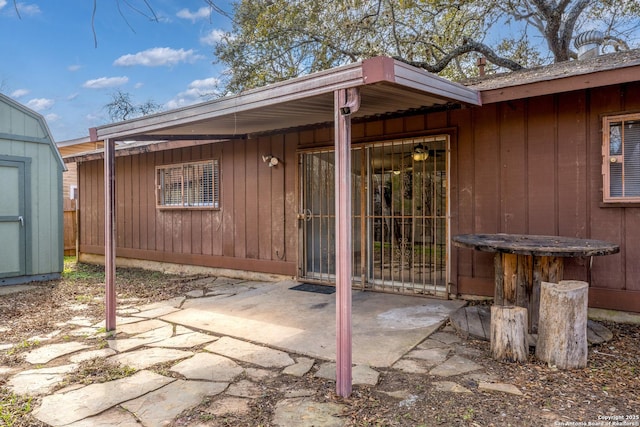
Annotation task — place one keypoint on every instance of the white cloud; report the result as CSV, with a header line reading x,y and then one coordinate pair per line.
x,y
40,104
28,9
52,117
138,85
74,67
158,56
19,92
212,38
72,96
202,13
3,3
197,91
104,82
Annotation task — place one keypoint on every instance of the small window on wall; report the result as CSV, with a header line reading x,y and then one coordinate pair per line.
x,y
621,158
188,185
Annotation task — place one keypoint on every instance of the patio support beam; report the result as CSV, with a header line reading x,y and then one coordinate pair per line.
x,y
109,233
346,102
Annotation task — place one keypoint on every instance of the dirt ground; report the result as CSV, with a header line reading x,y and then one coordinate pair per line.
x,y
606,392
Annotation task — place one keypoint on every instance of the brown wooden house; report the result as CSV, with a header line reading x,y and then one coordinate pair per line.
x,y
246,183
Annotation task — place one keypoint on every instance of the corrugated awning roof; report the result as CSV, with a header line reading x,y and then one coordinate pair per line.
x,y
386,86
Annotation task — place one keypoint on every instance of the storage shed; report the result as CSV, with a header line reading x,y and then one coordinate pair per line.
x,y
31,233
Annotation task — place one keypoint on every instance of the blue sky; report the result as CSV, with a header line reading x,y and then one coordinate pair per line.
x,y
50,62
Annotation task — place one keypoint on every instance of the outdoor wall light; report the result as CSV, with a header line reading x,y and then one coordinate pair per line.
x,y
420,153
270,160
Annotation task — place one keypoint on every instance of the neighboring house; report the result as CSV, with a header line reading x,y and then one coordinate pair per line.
x,y
246,183
70,177
31,242
70,188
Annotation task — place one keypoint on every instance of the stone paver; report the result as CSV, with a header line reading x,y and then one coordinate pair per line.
x,y
429,344
39,381
360,374
156,312
114,417
188,340
125,344
142,359
303,412
412,366
245,388
65,408
92,354
49,352
455,365
445,337
450,386
80,321
120,320
210,367
364,375
229,405
300,368
161,406
141,327
432,355
500,387
175,302
250,353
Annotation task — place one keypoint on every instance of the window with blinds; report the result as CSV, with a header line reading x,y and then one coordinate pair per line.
x,y
188,185
621,158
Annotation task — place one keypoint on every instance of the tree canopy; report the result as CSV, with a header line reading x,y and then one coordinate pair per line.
x,y
273,40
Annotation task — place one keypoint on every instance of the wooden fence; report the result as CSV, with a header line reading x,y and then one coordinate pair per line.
x,y
70,227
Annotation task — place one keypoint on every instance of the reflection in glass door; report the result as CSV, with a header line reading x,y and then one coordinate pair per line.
x,y
399,199
407,216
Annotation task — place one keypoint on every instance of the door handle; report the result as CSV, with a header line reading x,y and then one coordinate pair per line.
x,y
21,219
305,216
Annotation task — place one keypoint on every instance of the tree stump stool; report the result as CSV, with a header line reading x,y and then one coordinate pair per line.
x,y
509,333
562,327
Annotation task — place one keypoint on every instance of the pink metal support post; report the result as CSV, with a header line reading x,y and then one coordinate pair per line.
x,y
346,102
109,233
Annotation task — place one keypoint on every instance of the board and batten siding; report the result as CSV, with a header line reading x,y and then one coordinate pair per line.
x,y
255,228
534,166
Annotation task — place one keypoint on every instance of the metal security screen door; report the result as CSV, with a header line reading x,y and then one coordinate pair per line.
x,y
12,219
400,216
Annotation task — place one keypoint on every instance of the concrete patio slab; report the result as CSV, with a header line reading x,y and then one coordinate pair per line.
x,y
385,326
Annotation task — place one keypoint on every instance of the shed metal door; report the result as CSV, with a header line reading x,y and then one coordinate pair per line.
x,y
12,219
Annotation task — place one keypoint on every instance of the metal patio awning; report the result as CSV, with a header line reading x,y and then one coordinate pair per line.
x,y
386,86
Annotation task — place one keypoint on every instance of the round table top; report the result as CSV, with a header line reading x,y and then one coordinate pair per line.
x,y
523,244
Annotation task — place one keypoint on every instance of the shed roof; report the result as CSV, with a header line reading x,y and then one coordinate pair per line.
x,y
15,126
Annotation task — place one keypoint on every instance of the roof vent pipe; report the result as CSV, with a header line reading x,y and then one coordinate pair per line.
x,y
588,44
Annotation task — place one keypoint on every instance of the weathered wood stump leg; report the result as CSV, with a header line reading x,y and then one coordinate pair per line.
x,y
509,333
545,269
562,327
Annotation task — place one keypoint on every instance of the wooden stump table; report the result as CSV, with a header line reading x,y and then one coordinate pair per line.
x,y
522,262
